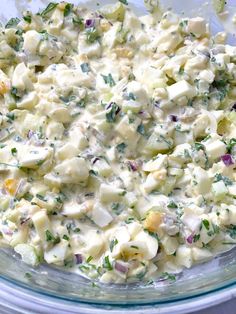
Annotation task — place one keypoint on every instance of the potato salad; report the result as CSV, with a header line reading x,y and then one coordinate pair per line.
x,y
117,141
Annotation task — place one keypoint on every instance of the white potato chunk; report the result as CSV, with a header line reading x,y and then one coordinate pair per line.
x,y
197,26
32,40
21,77
110,193
101,216
184,256
179,89
28,254
29,101
57,254
72,171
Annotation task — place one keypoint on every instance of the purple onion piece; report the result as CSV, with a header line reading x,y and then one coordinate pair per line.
x,y
156,103
79,258
89,23
227,160
173,118
121,268
233,108
109,105
95,160
24,221
190,239
7,231
117,110
133,166
30,134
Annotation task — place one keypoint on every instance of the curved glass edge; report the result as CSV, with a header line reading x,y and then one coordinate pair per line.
x,y
200,280
22,300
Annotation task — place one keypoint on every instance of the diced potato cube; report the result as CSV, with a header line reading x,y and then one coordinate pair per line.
x,y
74,170
57,254
170,245
101,216
201,255
179,89
197,26
28,254
29,101
109,193
42,224
67,151
219,189
155,164
184,256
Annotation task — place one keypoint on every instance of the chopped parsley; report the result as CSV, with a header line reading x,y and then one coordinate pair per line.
x,y
92,35
196,237
141,129
12,22
10,116
40,197
65,237
108,79
107,264
113,243
172,204
112,113
124,2
51,6
168,276
77,21
231,145
206,224
27,18
121,148
232,231
219,177
68,9
85,67
15,94
51,238
88,260
13,151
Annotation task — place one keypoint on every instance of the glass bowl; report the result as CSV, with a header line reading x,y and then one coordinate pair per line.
x,y
24,289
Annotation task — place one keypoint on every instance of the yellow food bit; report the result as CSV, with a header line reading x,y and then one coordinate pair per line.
x,y
4,87
105,26
223,126
123,52
61,6
153,221
160,174
10,186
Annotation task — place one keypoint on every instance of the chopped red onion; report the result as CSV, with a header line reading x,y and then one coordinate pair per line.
x,y
233,108
30,134
190,239
132,165
95,160
7,231
79,258
121,267
173,118
156,103
20,186
89,23
227,160
24,221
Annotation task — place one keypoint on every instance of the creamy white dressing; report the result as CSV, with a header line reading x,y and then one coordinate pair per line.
x,y
117,142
